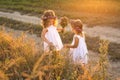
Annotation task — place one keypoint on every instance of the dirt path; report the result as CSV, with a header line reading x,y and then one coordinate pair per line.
x,y
109,33
24,18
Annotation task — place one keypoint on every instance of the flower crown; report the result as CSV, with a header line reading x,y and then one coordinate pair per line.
x,y
49,17
77,25
78,29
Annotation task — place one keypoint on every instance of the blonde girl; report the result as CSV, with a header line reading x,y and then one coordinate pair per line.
x,y
50,34
78,47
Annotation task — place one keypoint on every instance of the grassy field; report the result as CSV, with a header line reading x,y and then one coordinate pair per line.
x,y
17,25
91,12
92,42
36,65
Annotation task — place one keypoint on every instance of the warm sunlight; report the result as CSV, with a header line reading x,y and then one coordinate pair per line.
x,y
93,5
59,40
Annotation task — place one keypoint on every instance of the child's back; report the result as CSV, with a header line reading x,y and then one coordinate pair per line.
x,y
53,36
50,34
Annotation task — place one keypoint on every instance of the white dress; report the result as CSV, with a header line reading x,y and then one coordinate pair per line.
x,y
53,36
80,53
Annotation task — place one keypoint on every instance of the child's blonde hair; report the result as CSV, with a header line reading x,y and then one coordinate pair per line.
x,y
77,25
48,14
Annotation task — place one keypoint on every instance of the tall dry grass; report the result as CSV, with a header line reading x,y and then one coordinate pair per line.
x,y
21,60
15,52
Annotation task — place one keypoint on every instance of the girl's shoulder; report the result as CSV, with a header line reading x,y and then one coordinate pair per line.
x,y
52,27
78,36
45,30
83,33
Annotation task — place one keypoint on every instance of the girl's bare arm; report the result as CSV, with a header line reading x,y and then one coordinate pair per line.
x,y
75,45
44,31
59,29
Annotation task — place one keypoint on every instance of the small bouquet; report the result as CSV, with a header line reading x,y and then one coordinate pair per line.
x,y
63,22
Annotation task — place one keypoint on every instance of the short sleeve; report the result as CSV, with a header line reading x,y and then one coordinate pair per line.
x,y
76,36
83,34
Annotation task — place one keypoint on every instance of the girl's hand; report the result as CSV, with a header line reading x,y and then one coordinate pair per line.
x,y
66,45
50,44
59,29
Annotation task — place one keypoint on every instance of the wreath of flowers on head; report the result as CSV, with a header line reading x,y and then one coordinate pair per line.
x,y
77,23
48,17
78,29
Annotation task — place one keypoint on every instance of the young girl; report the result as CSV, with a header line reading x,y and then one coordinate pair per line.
x,y
50,34
78,47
